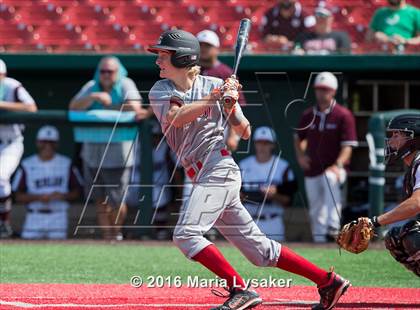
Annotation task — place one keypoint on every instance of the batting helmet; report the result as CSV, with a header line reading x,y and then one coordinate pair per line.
x,y
184,45
409,124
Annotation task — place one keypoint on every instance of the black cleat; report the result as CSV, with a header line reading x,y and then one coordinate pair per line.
x,y
239,299
331,293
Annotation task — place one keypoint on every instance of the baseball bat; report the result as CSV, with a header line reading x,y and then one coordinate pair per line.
x,y
240,46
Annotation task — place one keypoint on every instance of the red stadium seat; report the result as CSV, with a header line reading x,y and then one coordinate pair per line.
x,y
194,27
38,14
106,33
7,13
108,3
132,24
84,15
132,15
227,16
59,36
14,36
146,36
176,15
156,3
64,4
18,3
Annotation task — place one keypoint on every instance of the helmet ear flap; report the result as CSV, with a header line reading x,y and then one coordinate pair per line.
x,y
183,60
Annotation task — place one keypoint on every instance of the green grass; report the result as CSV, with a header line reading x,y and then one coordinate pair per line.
x,y
102,263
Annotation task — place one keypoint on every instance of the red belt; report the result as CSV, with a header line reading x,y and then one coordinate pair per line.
x,y
191,172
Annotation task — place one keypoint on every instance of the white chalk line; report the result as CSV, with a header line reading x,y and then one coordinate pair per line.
x,y
21,304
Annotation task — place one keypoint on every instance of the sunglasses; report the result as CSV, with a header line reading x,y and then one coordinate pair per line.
x,y
104,71
47,142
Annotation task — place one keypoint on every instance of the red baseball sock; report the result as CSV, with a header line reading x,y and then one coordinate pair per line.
x,y
213,259
292,262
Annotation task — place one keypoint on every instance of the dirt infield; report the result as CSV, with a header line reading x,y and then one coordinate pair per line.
x,y
110,296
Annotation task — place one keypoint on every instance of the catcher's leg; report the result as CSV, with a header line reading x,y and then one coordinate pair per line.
x,y
318,211
198,215
404,245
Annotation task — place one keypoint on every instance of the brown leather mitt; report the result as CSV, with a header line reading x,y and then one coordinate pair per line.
x,y
355,236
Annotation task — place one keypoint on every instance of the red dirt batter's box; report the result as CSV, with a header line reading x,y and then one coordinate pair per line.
x,y
110,296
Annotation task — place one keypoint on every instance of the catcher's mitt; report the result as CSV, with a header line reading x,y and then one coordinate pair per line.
x,y
355,236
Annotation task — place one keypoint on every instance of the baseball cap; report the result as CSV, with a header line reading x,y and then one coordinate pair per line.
x,y
48,133
264,133
326,80
323,11
209,37
3,68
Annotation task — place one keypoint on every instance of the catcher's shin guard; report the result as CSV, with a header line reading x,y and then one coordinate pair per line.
x,y
404,245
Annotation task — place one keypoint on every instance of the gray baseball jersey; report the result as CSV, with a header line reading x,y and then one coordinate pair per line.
x,y
214,199
193,141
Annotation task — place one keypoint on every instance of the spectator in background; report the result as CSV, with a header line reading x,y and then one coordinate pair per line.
x,y
398,25
323,40
268,184
211,66
323,145
282,23
110,89
45,183
13,98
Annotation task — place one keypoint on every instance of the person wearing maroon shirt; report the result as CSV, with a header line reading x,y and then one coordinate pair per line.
x,y
324,39
323,144
282,23
212,66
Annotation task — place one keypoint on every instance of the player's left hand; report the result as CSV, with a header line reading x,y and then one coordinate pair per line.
x,y
56,196
233,96
334,169
231,83
269,191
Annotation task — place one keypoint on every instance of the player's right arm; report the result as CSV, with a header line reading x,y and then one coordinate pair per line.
x,y
179,115
85,97
83,103
23,197
300,150
23,102
405,210
20,189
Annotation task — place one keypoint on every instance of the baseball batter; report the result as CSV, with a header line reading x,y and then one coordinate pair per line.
x,y
13,97
189,110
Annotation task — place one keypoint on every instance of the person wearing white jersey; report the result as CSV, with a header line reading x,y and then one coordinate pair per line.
x,y
45,182
268,184
15,98
188,107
